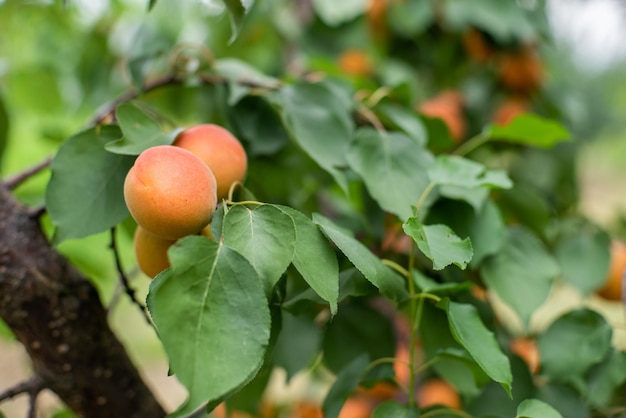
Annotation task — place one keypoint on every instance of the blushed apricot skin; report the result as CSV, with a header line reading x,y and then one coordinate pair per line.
x,y
151,252
170,192
438,392
220,150
612,288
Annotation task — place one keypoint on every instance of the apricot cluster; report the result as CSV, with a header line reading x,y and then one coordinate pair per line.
x,y
173,190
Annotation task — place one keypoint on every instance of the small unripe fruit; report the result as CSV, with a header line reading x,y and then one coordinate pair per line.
x,y
170,192
151,252
220,150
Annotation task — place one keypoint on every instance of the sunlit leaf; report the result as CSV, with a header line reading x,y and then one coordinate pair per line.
x,y
334,13
452,170
212,317
140,131
469,331
584,329
237,11
404,119
83,169
534,408
264,235
320,123
393,167
314,258
386,280
521,273
529,129
439,243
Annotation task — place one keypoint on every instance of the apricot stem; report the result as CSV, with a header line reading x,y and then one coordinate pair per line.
x,y
395,266
413,311
387,360
424,195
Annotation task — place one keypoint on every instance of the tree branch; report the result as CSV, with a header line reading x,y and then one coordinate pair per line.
x,y
14,181
32,387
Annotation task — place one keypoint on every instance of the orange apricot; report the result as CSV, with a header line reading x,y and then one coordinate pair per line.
x,y
170,192
521,71
220,150
612,288
356,407
510,108
447,106
355,62
151,252
527,349
438,392
476,45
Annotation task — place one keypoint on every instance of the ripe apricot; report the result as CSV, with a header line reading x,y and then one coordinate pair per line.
x,y
220,150
170,192
151,252
447,106
612,289
355,62
521,71
527,349
356,407
510,108
438,392
476,45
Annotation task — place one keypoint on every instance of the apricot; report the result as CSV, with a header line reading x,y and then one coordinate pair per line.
x,y
170,192
527,349
151,252
220,150
612,288
476,45
510,108
438,392
355,62
521,71
447,106
357,407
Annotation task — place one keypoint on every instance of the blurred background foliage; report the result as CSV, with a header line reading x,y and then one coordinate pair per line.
x,y
60,61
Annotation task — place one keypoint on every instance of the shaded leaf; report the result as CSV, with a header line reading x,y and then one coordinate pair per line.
x,y
264,235
346,382
469,331
529,129
320,123
393,167
386,280
584,329
521,273
605,378
298,343
405,120
439,243
140,131
208,303
452,170
314,258
237,11
393,409
83,169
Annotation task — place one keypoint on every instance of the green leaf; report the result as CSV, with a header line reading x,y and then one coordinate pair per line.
x,y
386,280
237,11
208,303
298,343
452,170
439,243
335,13
265,236
151,4
314,258
259,126
529,129
240,75
346,382
564,399
410,18
469,331
356,330
320,123
521,273
426,284
4,128
405,120
584,258
605,378
83,169
587,336
393,409
393,167
140,131
534,408
5,331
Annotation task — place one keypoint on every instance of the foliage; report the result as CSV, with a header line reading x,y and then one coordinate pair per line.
x,y
364,226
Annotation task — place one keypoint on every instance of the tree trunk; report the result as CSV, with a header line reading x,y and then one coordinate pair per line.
x,y
58,317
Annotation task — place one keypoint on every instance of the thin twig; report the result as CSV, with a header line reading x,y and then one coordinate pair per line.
x,y
19,178
124,280
36,212
32,387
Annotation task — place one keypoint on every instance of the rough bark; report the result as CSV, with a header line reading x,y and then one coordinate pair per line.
x,y
58,317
